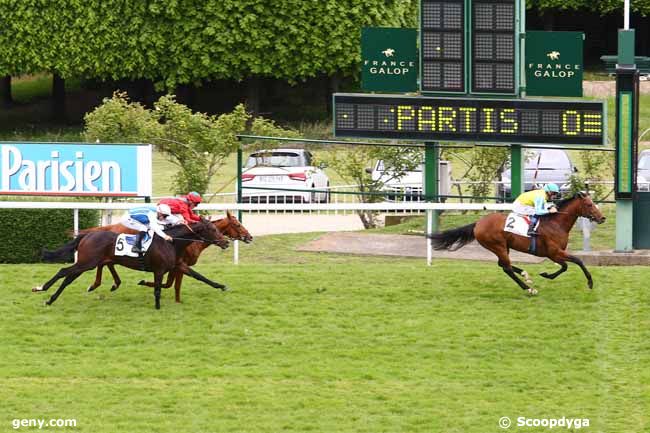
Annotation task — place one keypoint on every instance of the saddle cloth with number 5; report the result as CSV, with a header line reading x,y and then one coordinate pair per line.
x,y
124,243
517,224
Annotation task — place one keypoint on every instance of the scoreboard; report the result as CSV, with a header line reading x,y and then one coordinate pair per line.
x,y
521,121
486,52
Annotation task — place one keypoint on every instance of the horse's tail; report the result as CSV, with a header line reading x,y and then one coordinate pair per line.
x,y
453,239
64,253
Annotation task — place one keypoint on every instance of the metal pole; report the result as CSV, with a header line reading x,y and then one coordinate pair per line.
x,y
240,162
76,222
75,228
516,171
626,15
431,194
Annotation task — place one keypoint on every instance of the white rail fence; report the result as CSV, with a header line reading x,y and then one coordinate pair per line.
x,y
384,207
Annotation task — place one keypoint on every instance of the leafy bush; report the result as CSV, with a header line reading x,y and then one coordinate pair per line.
x,y
26,232
199,144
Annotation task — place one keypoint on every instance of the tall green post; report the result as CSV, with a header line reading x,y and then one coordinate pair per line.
x,y
516,171
626,132
431,193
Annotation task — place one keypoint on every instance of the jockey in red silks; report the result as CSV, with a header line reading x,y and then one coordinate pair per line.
x,y
183,207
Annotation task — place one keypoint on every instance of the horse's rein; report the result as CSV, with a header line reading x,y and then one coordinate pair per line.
x,y
201,238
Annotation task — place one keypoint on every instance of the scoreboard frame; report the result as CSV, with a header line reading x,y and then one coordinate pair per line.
x,y
489,121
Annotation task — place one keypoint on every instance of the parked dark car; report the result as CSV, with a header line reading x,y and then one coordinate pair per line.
x,y
542,166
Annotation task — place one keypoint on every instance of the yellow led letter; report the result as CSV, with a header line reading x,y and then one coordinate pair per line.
x,y
487,115
404,112
592,123
565,122
446,116
426,118
466,119
509,123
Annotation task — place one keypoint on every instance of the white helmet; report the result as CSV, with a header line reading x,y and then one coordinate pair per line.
x,y
164,209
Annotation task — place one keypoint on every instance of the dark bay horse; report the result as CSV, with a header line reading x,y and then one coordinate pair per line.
x,y
98,249
552,239
228,226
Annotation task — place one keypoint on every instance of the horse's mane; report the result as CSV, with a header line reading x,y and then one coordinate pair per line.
x,y
565,201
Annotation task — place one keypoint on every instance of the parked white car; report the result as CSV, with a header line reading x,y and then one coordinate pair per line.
x,y
643,171
542,166
410,186
283,176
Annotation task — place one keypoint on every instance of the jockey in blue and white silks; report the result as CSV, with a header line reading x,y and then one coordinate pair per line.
x,y
145,217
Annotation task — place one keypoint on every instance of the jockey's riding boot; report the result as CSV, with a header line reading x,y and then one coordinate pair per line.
x,y
532,228
137,248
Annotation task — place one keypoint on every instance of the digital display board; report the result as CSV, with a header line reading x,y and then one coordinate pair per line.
x,y
470,120
442,24
493,46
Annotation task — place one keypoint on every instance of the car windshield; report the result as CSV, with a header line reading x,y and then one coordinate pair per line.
x,y
274,159
644,162
548,160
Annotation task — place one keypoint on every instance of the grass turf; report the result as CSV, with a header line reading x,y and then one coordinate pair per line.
x,y
327,343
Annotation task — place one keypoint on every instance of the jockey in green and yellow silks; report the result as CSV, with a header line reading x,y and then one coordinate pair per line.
x,y
536,202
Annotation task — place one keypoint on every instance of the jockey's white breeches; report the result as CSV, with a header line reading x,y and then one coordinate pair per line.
x,y
523,209
129,222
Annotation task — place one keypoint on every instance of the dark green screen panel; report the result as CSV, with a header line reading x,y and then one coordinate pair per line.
x,y
443,45
470,120
493,46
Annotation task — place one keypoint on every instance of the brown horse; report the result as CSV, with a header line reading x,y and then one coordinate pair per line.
x,y
98,249
228,226
552,237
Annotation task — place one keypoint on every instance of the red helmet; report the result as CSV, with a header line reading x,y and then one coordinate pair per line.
x,y
194,197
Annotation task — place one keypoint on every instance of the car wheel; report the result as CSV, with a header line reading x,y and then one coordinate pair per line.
x,y
312,198
326,196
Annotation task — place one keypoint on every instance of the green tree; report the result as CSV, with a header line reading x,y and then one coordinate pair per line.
x,y
351,163
197,143
185,42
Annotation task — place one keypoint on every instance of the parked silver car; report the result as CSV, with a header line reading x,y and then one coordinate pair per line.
x,y
542,166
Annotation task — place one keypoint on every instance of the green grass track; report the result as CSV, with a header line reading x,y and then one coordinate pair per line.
x,y
326,343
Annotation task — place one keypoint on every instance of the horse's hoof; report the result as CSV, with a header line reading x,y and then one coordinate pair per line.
x,y
141,283
90,288
532,292
544,274
37,289
47,303
225,289
591,285
113,288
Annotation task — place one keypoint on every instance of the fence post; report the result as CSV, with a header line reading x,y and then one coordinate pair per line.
x,y
431,194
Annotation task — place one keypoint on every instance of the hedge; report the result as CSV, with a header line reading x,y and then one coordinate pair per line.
x,y
26,232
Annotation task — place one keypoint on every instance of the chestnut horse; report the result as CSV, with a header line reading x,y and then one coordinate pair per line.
x,y
98,249
228,226
552,238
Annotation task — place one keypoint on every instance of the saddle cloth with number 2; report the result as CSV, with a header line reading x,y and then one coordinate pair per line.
x,y
124,243
517,224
